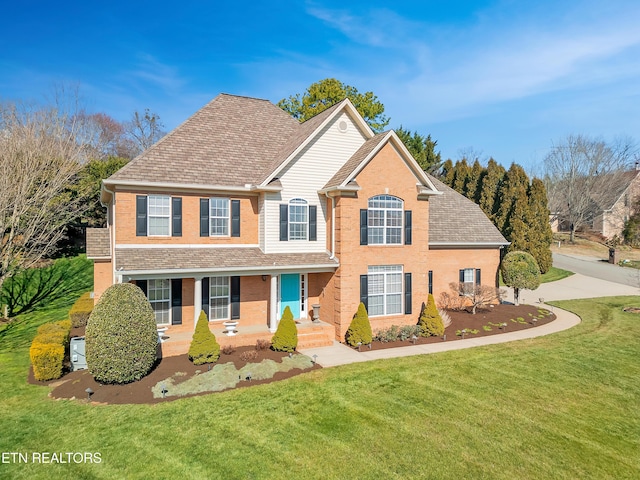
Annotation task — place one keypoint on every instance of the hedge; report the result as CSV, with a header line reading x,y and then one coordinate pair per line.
x,y
81,310
48,349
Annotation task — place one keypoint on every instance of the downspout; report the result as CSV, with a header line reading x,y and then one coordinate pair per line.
x,y
333,228
112,235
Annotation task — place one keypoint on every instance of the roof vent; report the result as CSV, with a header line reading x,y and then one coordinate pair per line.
x,y
342,126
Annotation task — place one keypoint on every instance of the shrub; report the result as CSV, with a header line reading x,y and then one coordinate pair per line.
x,y
446,318
408,331
520,270
452,300
121,335
204,346
228,349
286,337
359,330
48,349
47,359
81,310
248,355
262,344
430,321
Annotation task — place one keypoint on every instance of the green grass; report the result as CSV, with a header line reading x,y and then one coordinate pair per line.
x,y
561,406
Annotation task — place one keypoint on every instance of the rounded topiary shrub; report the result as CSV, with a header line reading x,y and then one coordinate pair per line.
x,y
430,322
359,330
204,346
286,337
121,335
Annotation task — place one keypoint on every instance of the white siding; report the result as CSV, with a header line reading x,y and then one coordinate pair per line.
x,y
304,176
261,221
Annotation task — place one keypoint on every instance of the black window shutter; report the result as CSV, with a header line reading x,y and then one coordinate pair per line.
x,y
363,227
407,227
461,282
431,282
364,291
478,276
204,217
313,223
176,216
461,276
407,293
141,215
176,301
235,218
205,295
235,298
284,222
143,286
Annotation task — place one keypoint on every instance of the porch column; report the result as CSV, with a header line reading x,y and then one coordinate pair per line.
x,y
197,300
273,304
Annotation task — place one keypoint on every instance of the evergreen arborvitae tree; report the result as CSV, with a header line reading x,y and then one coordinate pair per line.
x,y
447,173
472,187
421,148
430,322
461,177
489,187
286,337
204,346
359,330
540,235
513,200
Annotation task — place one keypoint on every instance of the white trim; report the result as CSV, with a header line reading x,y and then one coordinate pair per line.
x,y
168,217
156,301
355,116
468,244
98,258
183,187
228,315
238,271
385,294
187,245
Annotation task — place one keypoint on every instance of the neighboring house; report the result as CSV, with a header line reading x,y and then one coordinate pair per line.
x,y
613,211
242,211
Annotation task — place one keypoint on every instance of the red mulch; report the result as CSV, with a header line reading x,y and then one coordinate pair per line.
x,y
502,313
73,384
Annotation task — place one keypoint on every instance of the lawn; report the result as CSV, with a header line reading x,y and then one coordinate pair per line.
x,y
562,406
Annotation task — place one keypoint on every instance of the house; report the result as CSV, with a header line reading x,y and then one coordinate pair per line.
x,y
242,211
611,211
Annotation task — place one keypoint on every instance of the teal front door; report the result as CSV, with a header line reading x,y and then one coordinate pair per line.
x,y
290,293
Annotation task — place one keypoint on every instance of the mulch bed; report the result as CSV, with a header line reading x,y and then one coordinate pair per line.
x,y
502,313
74,384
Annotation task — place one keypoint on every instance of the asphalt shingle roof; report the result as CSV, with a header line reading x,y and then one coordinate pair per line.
x,y
98,243
454,219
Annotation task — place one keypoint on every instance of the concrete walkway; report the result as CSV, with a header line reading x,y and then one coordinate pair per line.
x,y
575,286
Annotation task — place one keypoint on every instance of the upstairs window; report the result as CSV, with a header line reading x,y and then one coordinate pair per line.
x,y
218,217
159,215
383,221
298,219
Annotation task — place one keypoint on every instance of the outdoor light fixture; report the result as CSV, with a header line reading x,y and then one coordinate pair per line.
x,y
264,278
359,345
444,337
163,390
248,377
89,393
315,359
414,338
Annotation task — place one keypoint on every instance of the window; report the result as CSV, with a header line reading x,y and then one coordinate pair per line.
x,y
218,217
159,214
384,220
298,219
219,298
159,295
384,290
469,278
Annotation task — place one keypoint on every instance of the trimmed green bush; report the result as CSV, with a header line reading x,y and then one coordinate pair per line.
x,y
520,270
204,346
430,322
286,337
121,335
359,330
81,310
48,349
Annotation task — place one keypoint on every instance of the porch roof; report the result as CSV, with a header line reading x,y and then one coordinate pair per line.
x,y
238,260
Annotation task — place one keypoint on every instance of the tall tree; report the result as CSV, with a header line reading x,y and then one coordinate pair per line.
x,y
39,157
321,95
103,136
538,226
473,185
422,148
513,206
489,187
582,175
144,129
461,176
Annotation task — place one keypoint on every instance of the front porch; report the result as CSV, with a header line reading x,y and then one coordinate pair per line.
x,y
177,339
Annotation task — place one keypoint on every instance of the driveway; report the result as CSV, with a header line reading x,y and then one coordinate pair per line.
x,y
596,268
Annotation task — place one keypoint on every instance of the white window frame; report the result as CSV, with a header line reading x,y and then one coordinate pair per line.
x,y
154,286
469,284
226,226
152,204
213,282
389,288
298,207
384,206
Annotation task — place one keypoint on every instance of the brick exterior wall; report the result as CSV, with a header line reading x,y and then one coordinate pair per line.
x,y
102,277
126,221
386,173
446,264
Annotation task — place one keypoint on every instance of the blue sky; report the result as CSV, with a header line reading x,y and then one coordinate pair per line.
x,y
505,79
